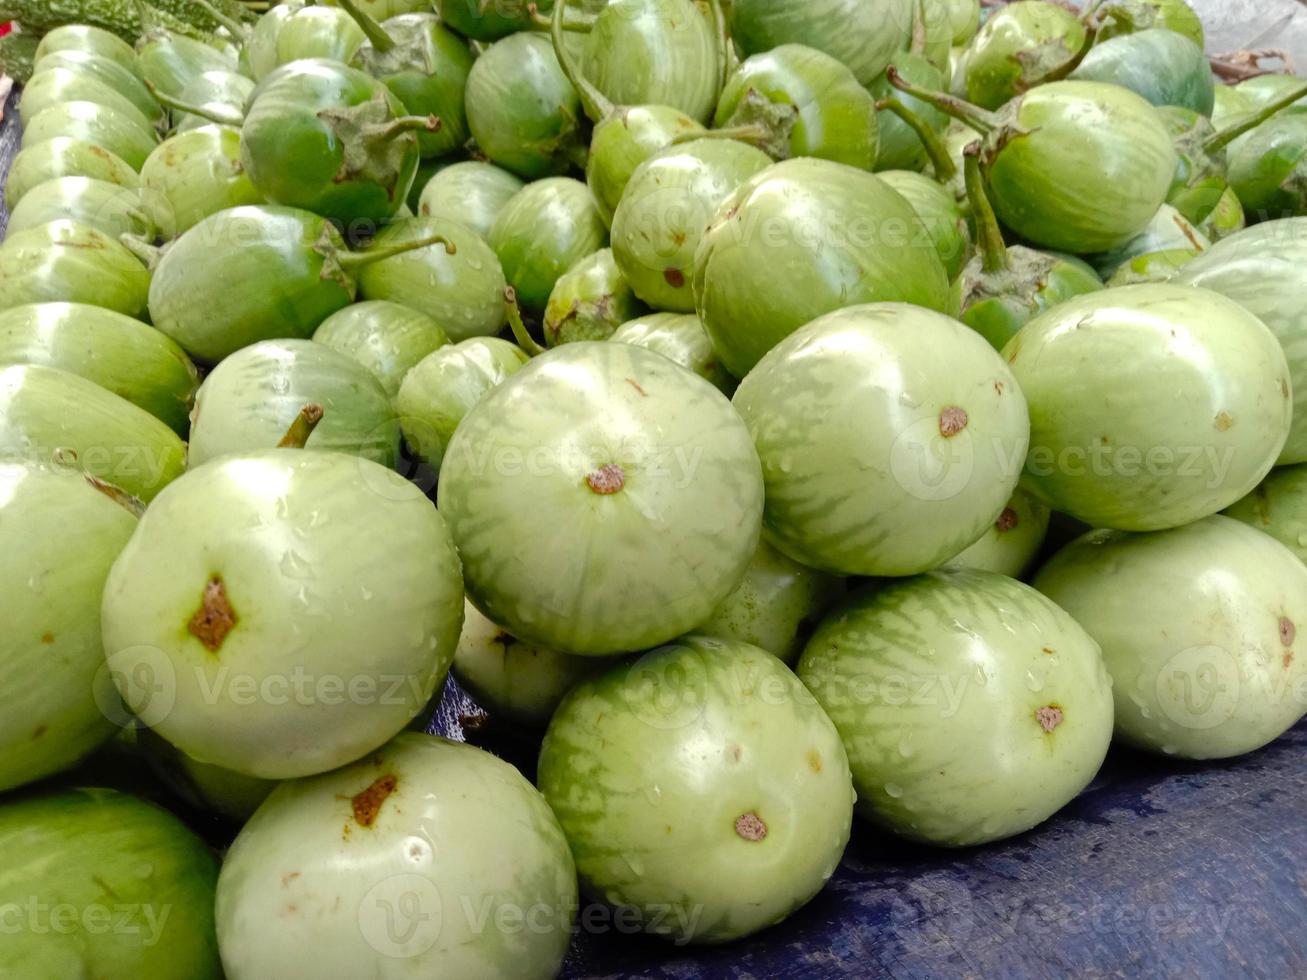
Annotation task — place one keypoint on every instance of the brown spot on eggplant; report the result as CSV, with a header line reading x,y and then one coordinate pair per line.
x,y
735,753
636,385
952,421
814,760
367,804
47,638
215,617
750,827
1223,421
1288,631
39,731
1049,717
1048,650
675,277
1007,520
287,878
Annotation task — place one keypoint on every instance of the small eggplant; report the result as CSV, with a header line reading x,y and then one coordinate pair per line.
x,y
124,81
668,204
425,65
256,273
63,261
522,110
1268,168
120,134
1021,46
964,20
259,52
681,338
317,32
470,193
1003,288
1152,267
490,20
64,156
1045,148
88,40
941,214
900,148
121,355
1123,17
193,175
835,119
216,91
169,62
1230,105
589,301
386,338
59,85
541,232
1168,231
461,287
1161,66
98,204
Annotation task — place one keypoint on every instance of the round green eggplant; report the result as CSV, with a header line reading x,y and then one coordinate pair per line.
x,y
522,683
835,237
224,92
1262,91
169,62
835,119
1199,628
1231,105
589,301
1011,543
426,66
193,175
1200,172
386,338
470,193
1279,507
1008,713
93,203
667,205
681,338
116,133
876,472
67,261
443,387
207,788
317,32
1168,231
1161,66
118,353
1020,47
1143,15
592,434
46,413
776,607
55,86
865,36
331,140
899,147
259,51
681,789
964,19
541,232
249,401
87,39
385,9
1150,406
1264,270
489,21
656,52
140,887
463,291
1151,267
119,78
1227,218
941,214
64,156
58,536
284,612
521,109
428,857
1268,168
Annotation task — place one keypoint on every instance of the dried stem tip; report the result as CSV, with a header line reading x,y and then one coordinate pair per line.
x,y
606,480
750,826
215,618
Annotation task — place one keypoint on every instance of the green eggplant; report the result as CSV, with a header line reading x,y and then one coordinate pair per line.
x,y
835,119
1168,231
1226,219
113,131
546,227
121,355
1021,46
589,301
522,111
900,148
1003,288
47,414
216,91
964,19
425,65
470,193
64,156
1152,267
426,170
1118,18
193,175
67,261
169,62
317,32
489,21
106,71
332,140
1263,90
1268,168
386,338
385,9
461,287
98,204
1161,66
940,212
1230,105
256,273
656,52
87,39
56,86
259,52
1073,166
681,338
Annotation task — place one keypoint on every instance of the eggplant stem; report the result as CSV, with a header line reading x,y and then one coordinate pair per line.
x,y
404,124
580,24
297,436
721,43
981,120
237,30
350,261
375,33
1228,135
595,103
230,117
945,168
143,250
1239,66
993,250
520,332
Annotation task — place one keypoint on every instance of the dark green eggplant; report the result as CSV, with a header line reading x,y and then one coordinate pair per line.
x,y
64,156
98,204
63,261
471,193
193,175
120,134
256,273
589,301
1161,66
106,71
1021,46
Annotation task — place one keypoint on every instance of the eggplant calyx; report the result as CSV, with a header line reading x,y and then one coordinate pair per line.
x,y
1025,277
339,264
1049,61
148,253
411,49
759,121
374,143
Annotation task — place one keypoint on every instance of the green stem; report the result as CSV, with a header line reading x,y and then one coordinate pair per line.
x,y
214,112
237,30
520,333
981,120
376,34
945,168
143,250
1227,136
349,261
578,24
993,250
297,436
595,103
1091,9
385,132
721,42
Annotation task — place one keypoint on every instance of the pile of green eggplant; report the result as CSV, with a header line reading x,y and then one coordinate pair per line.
x,y
688,379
